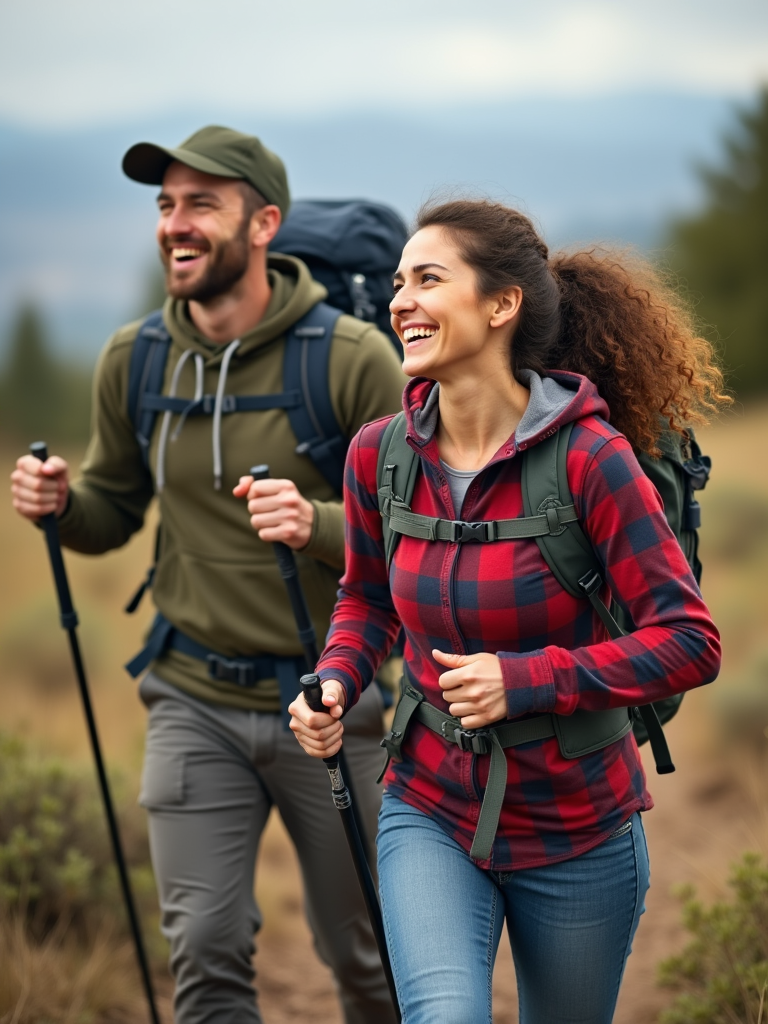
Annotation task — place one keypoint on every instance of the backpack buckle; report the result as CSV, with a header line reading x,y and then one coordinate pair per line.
x,y
392,743
471,741
591,582
231,670
478,533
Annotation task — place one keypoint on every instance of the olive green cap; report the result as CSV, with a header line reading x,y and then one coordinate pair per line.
x,y
215,150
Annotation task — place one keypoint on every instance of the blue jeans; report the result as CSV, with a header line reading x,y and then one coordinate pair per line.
x,y
570,924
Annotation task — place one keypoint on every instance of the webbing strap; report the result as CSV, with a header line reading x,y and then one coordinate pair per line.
x,y
231,403
493,741
242,671
393,741
411,524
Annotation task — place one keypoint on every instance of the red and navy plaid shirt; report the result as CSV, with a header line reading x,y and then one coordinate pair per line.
x,y
502,598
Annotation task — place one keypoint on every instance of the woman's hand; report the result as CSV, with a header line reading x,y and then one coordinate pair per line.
x,y
278,511
474,688
319,734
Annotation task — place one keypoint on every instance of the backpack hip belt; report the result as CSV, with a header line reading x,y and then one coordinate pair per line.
x,y
241,671
578,734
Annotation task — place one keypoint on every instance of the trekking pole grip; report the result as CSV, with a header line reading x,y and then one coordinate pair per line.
x,y
40,450
285,560
49,526
312,689
313,692
286,563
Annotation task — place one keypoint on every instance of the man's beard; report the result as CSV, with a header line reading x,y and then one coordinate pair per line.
x,y
227,265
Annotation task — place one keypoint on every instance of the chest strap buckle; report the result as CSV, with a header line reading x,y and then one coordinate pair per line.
x,y
479,533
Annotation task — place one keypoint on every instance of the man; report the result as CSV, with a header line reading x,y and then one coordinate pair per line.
x,y
218,756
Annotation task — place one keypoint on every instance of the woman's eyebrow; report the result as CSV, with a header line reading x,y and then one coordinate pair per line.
x,y
421,266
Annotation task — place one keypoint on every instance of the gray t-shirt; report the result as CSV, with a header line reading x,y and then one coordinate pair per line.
x,y
458,481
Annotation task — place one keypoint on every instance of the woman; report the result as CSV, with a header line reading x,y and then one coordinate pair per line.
x,y
484,316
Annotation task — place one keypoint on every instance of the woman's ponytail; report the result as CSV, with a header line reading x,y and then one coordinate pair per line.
x,y
625,329
611,318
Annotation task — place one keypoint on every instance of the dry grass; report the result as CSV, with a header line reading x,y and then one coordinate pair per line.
x,y
62,982
706,815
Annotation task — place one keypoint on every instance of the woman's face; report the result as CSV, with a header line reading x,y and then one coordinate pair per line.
x,y
442,320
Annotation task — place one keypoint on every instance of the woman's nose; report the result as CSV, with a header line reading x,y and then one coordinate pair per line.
x,y
401,302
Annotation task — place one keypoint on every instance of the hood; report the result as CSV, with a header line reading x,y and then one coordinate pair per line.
x,y
557,398
294,293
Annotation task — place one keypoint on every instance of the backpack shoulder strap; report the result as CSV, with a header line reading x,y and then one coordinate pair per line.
x,y
569,554
146,373
567,551
305,370
545,485
396,471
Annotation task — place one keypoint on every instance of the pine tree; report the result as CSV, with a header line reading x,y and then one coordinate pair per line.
x,y
30,395
721,254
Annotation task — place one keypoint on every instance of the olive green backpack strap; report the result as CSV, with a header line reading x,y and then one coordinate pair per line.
x,y
571,557
567,552
396,470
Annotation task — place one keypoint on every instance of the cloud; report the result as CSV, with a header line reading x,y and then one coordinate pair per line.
x,y
92,60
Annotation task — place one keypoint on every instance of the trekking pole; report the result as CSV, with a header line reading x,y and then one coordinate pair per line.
x,y
313,695
69,621
286,561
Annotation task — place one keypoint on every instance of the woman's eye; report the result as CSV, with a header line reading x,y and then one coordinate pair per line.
x,y
396,288
430,277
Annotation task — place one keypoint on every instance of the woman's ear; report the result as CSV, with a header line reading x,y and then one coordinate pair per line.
x,y
506,306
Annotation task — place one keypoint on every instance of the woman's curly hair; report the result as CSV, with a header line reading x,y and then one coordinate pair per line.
x,y
608,316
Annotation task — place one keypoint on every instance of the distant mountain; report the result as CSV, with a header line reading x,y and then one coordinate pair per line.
x,y
78,238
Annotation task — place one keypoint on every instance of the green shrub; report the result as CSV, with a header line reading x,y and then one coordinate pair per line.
x,y
56,861
722,974
65,948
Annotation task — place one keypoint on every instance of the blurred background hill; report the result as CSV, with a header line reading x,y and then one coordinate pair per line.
x,y
611,168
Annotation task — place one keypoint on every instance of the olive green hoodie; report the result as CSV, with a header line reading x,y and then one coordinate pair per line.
x,y
216,581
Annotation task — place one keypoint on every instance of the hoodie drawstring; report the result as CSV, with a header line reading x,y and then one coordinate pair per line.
x,y
217,407
162,444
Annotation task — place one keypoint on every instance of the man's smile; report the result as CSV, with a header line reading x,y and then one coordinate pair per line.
x,y
183,254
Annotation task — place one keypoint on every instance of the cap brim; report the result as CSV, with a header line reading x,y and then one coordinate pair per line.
x,y
147,163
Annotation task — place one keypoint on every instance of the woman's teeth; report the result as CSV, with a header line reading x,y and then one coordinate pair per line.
x,y
418,332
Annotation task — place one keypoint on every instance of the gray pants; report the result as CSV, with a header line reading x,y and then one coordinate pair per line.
x,y
211,776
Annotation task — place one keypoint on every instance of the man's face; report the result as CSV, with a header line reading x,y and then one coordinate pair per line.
x,y
204,238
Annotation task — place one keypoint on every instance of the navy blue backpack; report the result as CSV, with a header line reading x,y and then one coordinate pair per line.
x,y
352,247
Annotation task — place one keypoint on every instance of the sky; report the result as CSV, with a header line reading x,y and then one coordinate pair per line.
x,y
591,115
84,62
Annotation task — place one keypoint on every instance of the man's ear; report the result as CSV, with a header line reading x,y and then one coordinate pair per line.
x,y
506,306
265,224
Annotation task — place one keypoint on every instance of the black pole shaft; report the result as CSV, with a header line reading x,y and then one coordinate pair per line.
x,y
313,695
286,562
68,617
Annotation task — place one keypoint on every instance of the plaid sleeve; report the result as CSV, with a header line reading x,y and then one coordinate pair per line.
x,y
364,624
675,646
